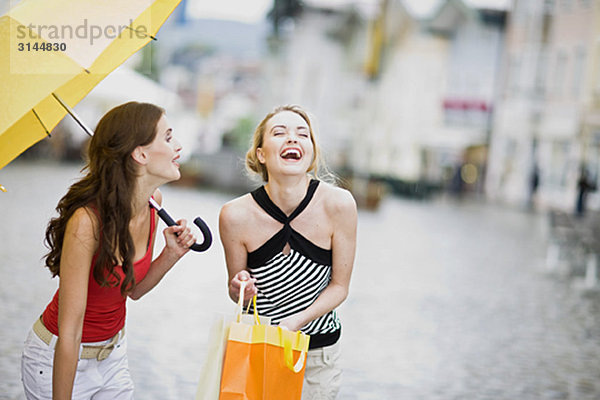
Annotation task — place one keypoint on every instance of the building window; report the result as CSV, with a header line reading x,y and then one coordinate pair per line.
x,y
578,70
593,161
549,6
596,71
560,71
514,69
541,81
559,164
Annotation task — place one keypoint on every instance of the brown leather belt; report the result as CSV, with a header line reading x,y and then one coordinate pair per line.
x,y
99,352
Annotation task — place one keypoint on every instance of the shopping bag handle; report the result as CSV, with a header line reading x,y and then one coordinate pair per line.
x,y
241,304
288,354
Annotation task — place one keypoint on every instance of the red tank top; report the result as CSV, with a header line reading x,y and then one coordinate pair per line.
x,y
105,310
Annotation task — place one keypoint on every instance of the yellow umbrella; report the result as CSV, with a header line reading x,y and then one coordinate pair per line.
x,y
52,50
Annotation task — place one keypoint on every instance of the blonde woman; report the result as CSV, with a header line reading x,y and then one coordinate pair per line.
x,y
293,240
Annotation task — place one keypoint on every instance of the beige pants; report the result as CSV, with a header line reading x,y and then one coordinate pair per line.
x,y
322,377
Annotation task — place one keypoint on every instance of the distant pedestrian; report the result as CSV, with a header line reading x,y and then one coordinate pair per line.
x,y
584,186
534,183
293,240
101,246
457,184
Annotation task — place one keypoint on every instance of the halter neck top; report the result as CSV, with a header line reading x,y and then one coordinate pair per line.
x,y
289,283
287,234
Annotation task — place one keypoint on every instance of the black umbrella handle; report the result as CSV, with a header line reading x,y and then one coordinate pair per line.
x,y
162,213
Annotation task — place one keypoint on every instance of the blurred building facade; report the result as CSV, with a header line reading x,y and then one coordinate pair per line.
x,y
547,125
405,82
468,99
360,73
315,61
400,99
475,42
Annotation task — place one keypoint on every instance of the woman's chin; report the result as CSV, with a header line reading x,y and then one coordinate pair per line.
x,y
175,176
297,170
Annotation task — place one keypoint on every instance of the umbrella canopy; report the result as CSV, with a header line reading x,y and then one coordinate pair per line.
x,y
61,49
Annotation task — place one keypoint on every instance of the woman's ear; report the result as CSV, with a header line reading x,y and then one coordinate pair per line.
x,y
260,155
139,155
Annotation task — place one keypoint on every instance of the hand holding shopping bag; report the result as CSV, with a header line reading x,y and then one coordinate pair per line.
x,y
259,360
210,372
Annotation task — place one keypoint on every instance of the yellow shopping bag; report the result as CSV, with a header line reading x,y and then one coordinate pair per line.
x,y
262,362
210,374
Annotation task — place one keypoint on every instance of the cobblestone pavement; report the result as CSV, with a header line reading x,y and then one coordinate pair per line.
x,y
448,301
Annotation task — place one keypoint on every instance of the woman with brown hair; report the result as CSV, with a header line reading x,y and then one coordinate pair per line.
x,y
101,246
293,242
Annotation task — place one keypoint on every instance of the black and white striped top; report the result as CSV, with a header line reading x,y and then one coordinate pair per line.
x,y
290,283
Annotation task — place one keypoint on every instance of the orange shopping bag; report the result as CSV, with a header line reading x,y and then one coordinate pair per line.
x,y
262,362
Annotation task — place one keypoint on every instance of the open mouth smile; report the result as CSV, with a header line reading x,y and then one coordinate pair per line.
x,y
291,154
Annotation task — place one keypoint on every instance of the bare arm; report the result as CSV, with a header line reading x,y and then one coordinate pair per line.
x,y
343,246
79,246
231,227
178,239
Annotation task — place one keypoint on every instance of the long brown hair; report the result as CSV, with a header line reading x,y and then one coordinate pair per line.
x,y
108,188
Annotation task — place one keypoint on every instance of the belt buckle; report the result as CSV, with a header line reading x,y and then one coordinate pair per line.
x,y
108,348
104,352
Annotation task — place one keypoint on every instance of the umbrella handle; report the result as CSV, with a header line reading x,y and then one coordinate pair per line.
x,y
162,213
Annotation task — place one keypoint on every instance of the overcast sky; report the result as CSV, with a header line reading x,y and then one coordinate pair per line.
x,y
255,10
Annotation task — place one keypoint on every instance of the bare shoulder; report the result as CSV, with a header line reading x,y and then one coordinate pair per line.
x,y
84,224
338,201
236,211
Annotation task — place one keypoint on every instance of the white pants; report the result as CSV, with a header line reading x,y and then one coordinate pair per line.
x,y
323,375
108,379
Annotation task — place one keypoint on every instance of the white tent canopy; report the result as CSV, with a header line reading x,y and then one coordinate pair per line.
x,y
125,84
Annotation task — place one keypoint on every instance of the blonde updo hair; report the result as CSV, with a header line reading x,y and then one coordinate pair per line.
x,y
317,167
